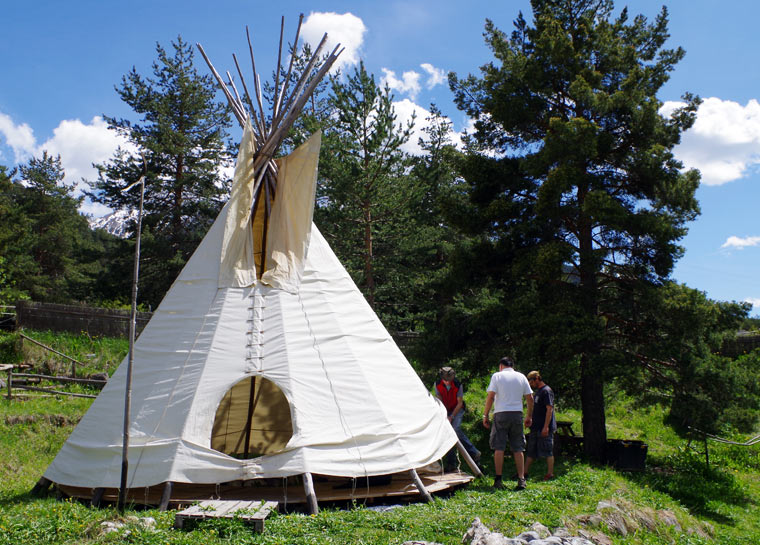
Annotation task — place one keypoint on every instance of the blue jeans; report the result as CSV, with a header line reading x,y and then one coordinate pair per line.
x,y
451,457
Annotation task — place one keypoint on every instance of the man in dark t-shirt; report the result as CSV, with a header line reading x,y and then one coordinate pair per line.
x,y
541,438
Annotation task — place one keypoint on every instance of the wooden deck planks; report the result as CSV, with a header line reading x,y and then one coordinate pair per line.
x,y
254,511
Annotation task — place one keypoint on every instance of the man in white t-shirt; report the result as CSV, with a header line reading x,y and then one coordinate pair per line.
x,y
506,392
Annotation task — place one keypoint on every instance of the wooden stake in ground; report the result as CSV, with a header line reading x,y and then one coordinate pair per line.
x,y
130,361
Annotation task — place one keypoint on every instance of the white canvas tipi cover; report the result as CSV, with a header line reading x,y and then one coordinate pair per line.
x,y
332,392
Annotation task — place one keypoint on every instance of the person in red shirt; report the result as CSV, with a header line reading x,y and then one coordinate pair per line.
x,y
451,393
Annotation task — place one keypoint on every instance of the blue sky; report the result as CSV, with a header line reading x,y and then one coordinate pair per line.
x,y
61,60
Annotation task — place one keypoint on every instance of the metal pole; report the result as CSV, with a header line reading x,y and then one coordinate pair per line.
x,y
130,361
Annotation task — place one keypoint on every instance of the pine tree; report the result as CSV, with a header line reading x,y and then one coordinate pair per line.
x,y
49,252
577,196
363,193
182,134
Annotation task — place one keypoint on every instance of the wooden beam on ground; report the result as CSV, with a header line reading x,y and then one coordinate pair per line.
x,y
85,381
467,458
74,362
311,496
56,392
421,487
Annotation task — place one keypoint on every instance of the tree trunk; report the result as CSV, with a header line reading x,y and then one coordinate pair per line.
x,y
369,278
177,205
592,382
592,407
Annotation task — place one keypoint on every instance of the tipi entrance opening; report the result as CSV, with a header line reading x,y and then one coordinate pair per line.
x,y
253,419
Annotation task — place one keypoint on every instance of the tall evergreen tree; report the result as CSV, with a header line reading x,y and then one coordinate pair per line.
x,y
363,193
577,195
49,252
183,136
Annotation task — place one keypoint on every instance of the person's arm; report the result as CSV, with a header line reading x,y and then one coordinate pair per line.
x,y
529,414
489,402
460,402
547,421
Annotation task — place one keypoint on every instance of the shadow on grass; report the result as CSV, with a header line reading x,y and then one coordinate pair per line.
x,y
697,488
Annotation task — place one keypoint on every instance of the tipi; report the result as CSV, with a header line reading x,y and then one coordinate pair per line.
x,y
263,361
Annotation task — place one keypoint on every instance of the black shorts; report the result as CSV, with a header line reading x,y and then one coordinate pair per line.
x,y
540,447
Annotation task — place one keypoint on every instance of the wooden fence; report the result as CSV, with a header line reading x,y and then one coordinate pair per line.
x,y
741,344
77,319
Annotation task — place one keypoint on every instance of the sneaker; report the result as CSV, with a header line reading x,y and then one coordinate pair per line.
x,y
548,476
520,484
498,485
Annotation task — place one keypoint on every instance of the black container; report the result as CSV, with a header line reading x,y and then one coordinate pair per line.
x,y
626,455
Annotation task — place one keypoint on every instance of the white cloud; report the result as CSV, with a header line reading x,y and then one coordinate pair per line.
x,y
754,301
345,29
724,142
436,76
409,82
740,243
20,138
80,146
404,110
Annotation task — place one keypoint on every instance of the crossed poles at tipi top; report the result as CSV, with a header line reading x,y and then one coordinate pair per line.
x,y
269,134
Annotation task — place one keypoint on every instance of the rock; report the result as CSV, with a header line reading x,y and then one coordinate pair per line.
x,y
108,526
479,534
552,540
561,532
590,520
616,517
646,517
606,504
384,508
146,523
617,523
540,529
697,531
580,541
529,536
597,538
669,518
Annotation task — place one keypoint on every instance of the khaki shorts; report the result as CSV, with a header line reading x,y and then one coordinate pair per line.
x,y
508,428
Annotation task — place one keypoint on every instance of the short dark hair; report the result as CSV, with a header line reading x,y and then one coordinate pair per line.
x,y
506,361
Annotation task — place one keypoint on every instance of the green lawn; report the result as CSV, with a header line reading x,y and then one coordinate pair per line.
x,y
724,496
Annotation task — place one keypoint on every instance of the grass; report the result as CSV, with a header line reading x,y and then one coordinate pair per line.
x,y
97,354
725,496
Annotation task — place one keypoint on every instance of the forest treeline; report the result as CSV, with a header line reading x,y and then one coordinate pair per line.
x,y
549,232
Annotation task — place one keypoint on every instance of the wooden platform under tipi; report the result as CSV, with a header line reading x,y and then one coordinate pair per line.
x,y
284,491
